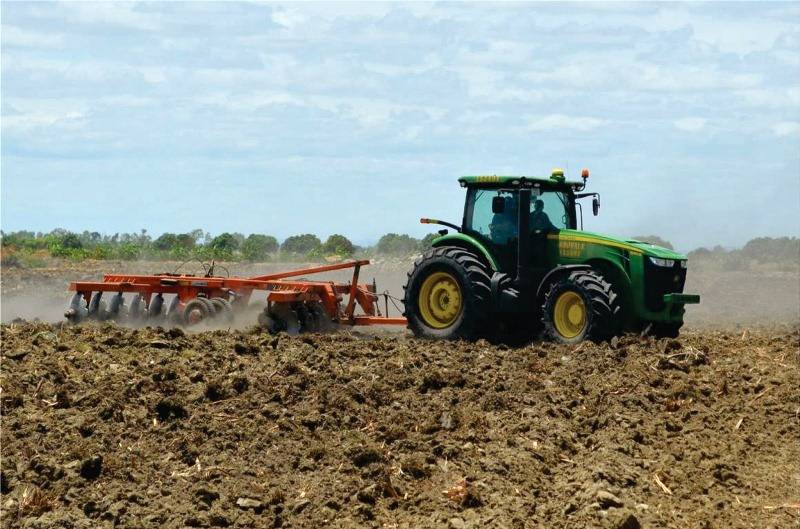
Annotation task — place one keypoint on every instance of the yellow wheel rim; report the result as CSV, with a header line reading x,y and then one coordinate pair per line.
x,y
440,300
569,314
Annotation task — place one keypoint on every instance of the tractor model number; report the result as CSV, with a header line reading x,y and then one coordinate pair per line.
x,y
570,248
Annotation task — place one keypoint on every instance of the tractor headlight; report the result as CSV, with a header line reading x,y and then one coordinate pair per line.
x,y
683,264
667,263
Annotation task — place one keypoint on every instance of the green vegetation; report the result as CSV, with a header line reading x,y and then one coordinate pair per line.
x,y
28,249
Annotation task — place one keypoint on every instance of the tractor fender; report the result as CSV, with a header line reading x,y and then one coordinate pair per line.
x,y
555,273
462,240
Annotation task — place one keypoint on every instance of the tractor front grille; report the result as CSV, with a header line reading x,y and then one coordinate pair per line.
x,y
660,280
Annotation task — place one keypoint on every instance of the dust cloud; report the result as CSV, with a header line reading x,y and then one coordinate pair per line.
x,y
727,297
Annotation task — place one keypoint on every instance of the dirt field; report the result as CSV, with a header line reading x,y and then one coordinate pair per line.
x,y
105,426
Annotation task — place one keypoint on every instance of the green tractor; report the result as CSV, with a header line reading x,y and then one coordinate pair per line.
x,y
519,265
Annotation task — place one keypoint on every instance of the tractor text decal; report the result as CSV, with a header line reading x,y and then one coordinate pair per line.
x,y
570,248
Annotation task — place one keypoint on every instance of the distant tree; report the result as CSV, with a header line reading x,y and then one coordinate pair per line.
x,y
301,244
129,251
338,245
224,245
185,241
699,253
395,244
196,235
71,240
143,238
426,241
654,239
165,242
257,247
239,239
769,249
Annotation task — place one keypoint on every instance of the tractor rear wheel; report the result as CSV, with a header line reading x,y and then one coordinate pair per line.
x,y
580,306
448,294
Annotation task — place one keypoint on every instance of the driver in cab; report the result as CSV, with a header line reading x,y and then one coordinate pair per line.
x,y
540,222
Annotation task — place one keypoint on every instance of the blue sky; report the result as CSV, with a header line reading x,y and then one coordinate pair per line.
x,y
358,118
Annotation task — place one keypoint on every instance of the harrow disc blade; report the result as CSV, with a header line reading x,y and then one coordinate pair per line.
x,y
77,310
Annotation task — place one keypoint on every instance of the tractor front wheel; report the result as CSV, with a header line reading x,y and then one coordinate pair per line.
x,y
448,294
580,306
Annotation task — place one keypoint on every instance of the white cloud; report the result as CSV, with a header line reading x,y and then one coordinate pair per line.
x,y
786,128
691,124
23,122
561,121
289,18
15,36
111,13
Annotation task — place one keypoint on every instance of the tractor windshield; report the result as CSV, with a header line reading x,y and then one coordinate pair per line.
x,y
492,217
497,227
549,211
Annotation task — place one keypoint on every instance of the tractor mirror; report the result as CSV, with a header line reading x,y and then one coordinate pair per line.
x,y
498,205
595,206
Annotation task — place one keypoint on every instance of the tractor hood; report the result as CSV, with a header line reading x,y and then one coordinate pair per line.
x,y
629,244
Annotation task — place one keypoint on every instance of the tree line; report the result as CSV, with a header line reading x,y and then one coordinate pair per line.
x,y
255,247
782,253
26,248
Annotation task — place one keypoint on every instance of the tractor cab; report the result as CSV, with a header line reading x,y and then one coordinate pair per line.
x,y
492,216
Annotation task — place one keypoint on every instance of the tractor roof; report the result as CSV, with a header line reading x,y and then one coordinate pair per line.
x,y
556,180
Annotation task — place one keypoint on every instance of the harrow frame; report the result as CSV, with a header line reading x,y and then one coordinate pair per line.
x,y
282,289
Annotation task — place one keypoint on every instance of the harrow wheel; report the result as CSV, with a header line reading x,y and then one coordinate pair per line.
x,y
195,312
212,310
224,309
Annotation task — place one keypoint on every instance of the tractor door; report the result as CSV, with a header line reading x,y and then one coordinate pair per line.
x,y
549,213
491,217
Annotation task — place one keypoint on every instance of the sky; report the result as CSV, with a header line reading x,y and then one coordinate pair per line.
x,y
359,118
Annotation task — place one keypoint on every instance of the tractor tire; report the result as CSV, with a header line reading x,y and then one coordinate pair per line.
x,y
223,308
580,306
665,329
448,295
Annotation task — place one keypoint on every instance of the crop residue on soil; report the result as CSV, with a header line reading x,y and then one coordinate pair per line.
x,y
107,426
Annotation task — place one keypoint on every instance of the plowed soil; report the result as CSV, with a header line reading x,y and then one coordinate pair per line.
x,y
104,426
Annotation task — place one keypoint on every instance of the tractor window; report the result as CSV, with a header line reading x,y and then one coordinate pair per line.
x,y
551,214
498,228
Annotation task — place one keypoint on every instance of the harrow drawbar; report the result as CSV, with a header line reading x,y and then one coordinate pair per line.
x,y
292,305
